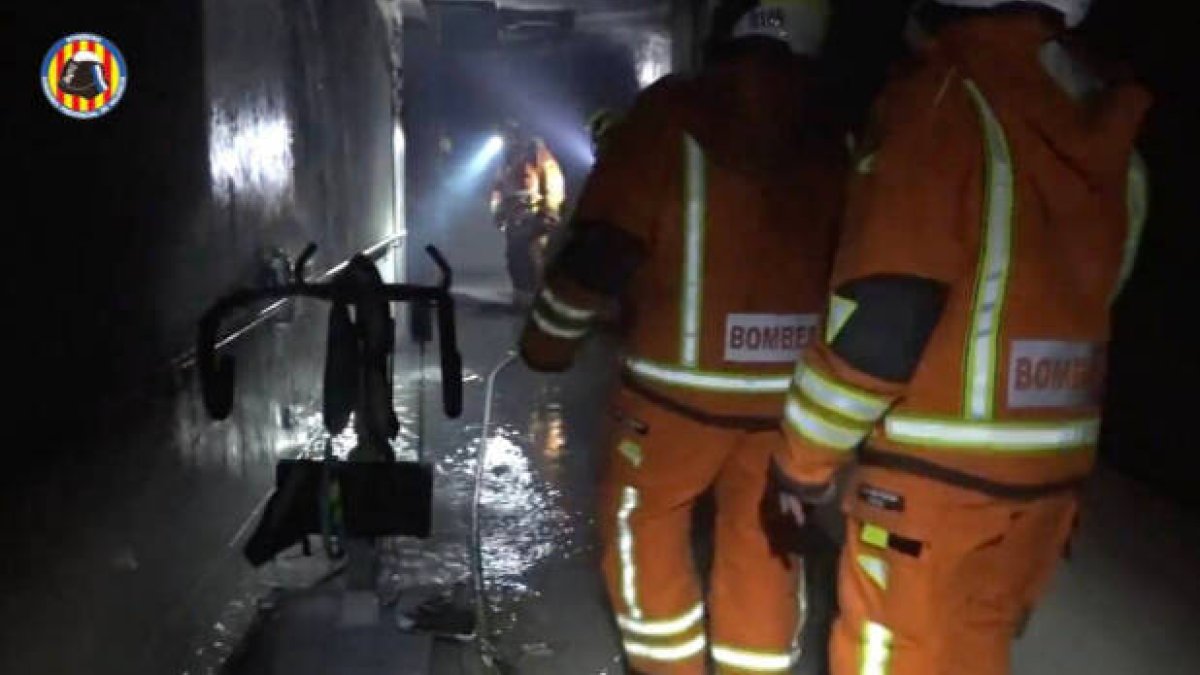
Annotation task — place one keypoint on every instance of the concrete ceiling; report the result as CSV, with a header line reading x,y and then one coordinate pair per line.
x,y
584,6
587,12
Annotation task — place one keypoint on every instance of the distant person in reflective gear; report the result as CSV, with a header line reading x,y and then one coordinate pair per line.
x,y
526,203
995,213
710,219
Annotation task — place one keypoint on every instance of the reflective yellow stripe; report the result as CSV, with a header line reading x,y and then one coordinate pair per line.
x,y
991,285
721,382
1012,437
876,569
874,535
876,649
568,311
801,614
841,398
1138,203
824,432
549,327
840,311
629,502
632,452
695,198
865,164
664,628
762,662
680,652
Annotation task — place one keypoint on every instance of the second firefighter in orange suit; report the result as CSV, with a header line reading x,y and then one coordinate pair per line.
x,y
995,215
692,220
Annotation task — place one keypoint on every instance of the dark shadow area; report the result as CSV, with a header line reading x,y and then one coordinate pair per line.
x,y
1153,359
98,198
246,127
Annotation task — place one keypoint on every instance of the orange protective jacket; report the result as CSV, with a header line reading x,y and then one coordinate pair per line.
x,y
720,194
538,179
1024,204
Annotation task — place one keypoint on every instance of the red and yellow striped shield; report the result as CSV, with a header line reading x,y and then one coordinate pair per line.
x,y
84,76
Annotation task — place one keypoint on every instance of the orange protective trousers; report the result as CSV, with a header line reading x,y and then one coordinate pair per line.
x,y
662,463
937,580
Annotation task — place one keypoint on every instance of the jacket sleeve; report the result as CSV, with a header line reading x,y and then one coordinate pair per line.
x,y
901,248
610,234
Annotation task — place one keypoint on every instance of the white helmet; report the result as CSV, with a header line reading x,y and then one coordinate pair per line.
x,y
802,24
1074,10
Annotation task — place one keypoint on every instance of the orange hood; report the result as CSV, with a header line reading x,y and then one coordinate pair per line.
x,y
1090,138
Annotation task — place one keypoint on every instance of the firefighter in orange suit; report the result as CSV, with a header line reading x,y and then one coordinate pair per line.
x,y
994,217
526,204
710,217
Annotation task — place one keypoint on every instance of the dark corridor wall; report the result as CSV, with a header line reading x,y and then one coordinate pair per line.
x,y
93,199
1155,362
247,124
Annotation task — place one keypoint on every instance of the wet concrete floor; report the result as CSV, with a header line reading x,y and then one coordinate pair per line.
x,y
126,557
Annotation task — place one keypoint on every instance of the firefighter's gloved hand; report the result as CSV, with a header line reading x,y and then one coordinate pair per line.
x,y
787,516
797,499
800,507
783,534
795,508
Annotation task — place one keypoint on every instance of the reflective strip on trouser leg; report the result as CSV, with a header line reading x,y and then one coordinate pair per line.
x,y
629,503
667,652
554,329
875,568
801,614
564,308
663,628
876,649
983,342
695,198
756,661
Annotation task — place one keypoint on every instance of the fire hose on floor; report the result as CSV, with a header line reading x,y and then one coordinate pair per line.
x,y
488,652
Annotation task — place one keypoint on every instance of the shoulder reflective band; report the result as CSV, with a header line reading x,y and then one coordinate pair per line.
x,y
550,327
992,282
876,652
815,427
731,383
679,652
695,204
664,628
842,399
1001,437
629,502
565,309
1137,199
754,661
